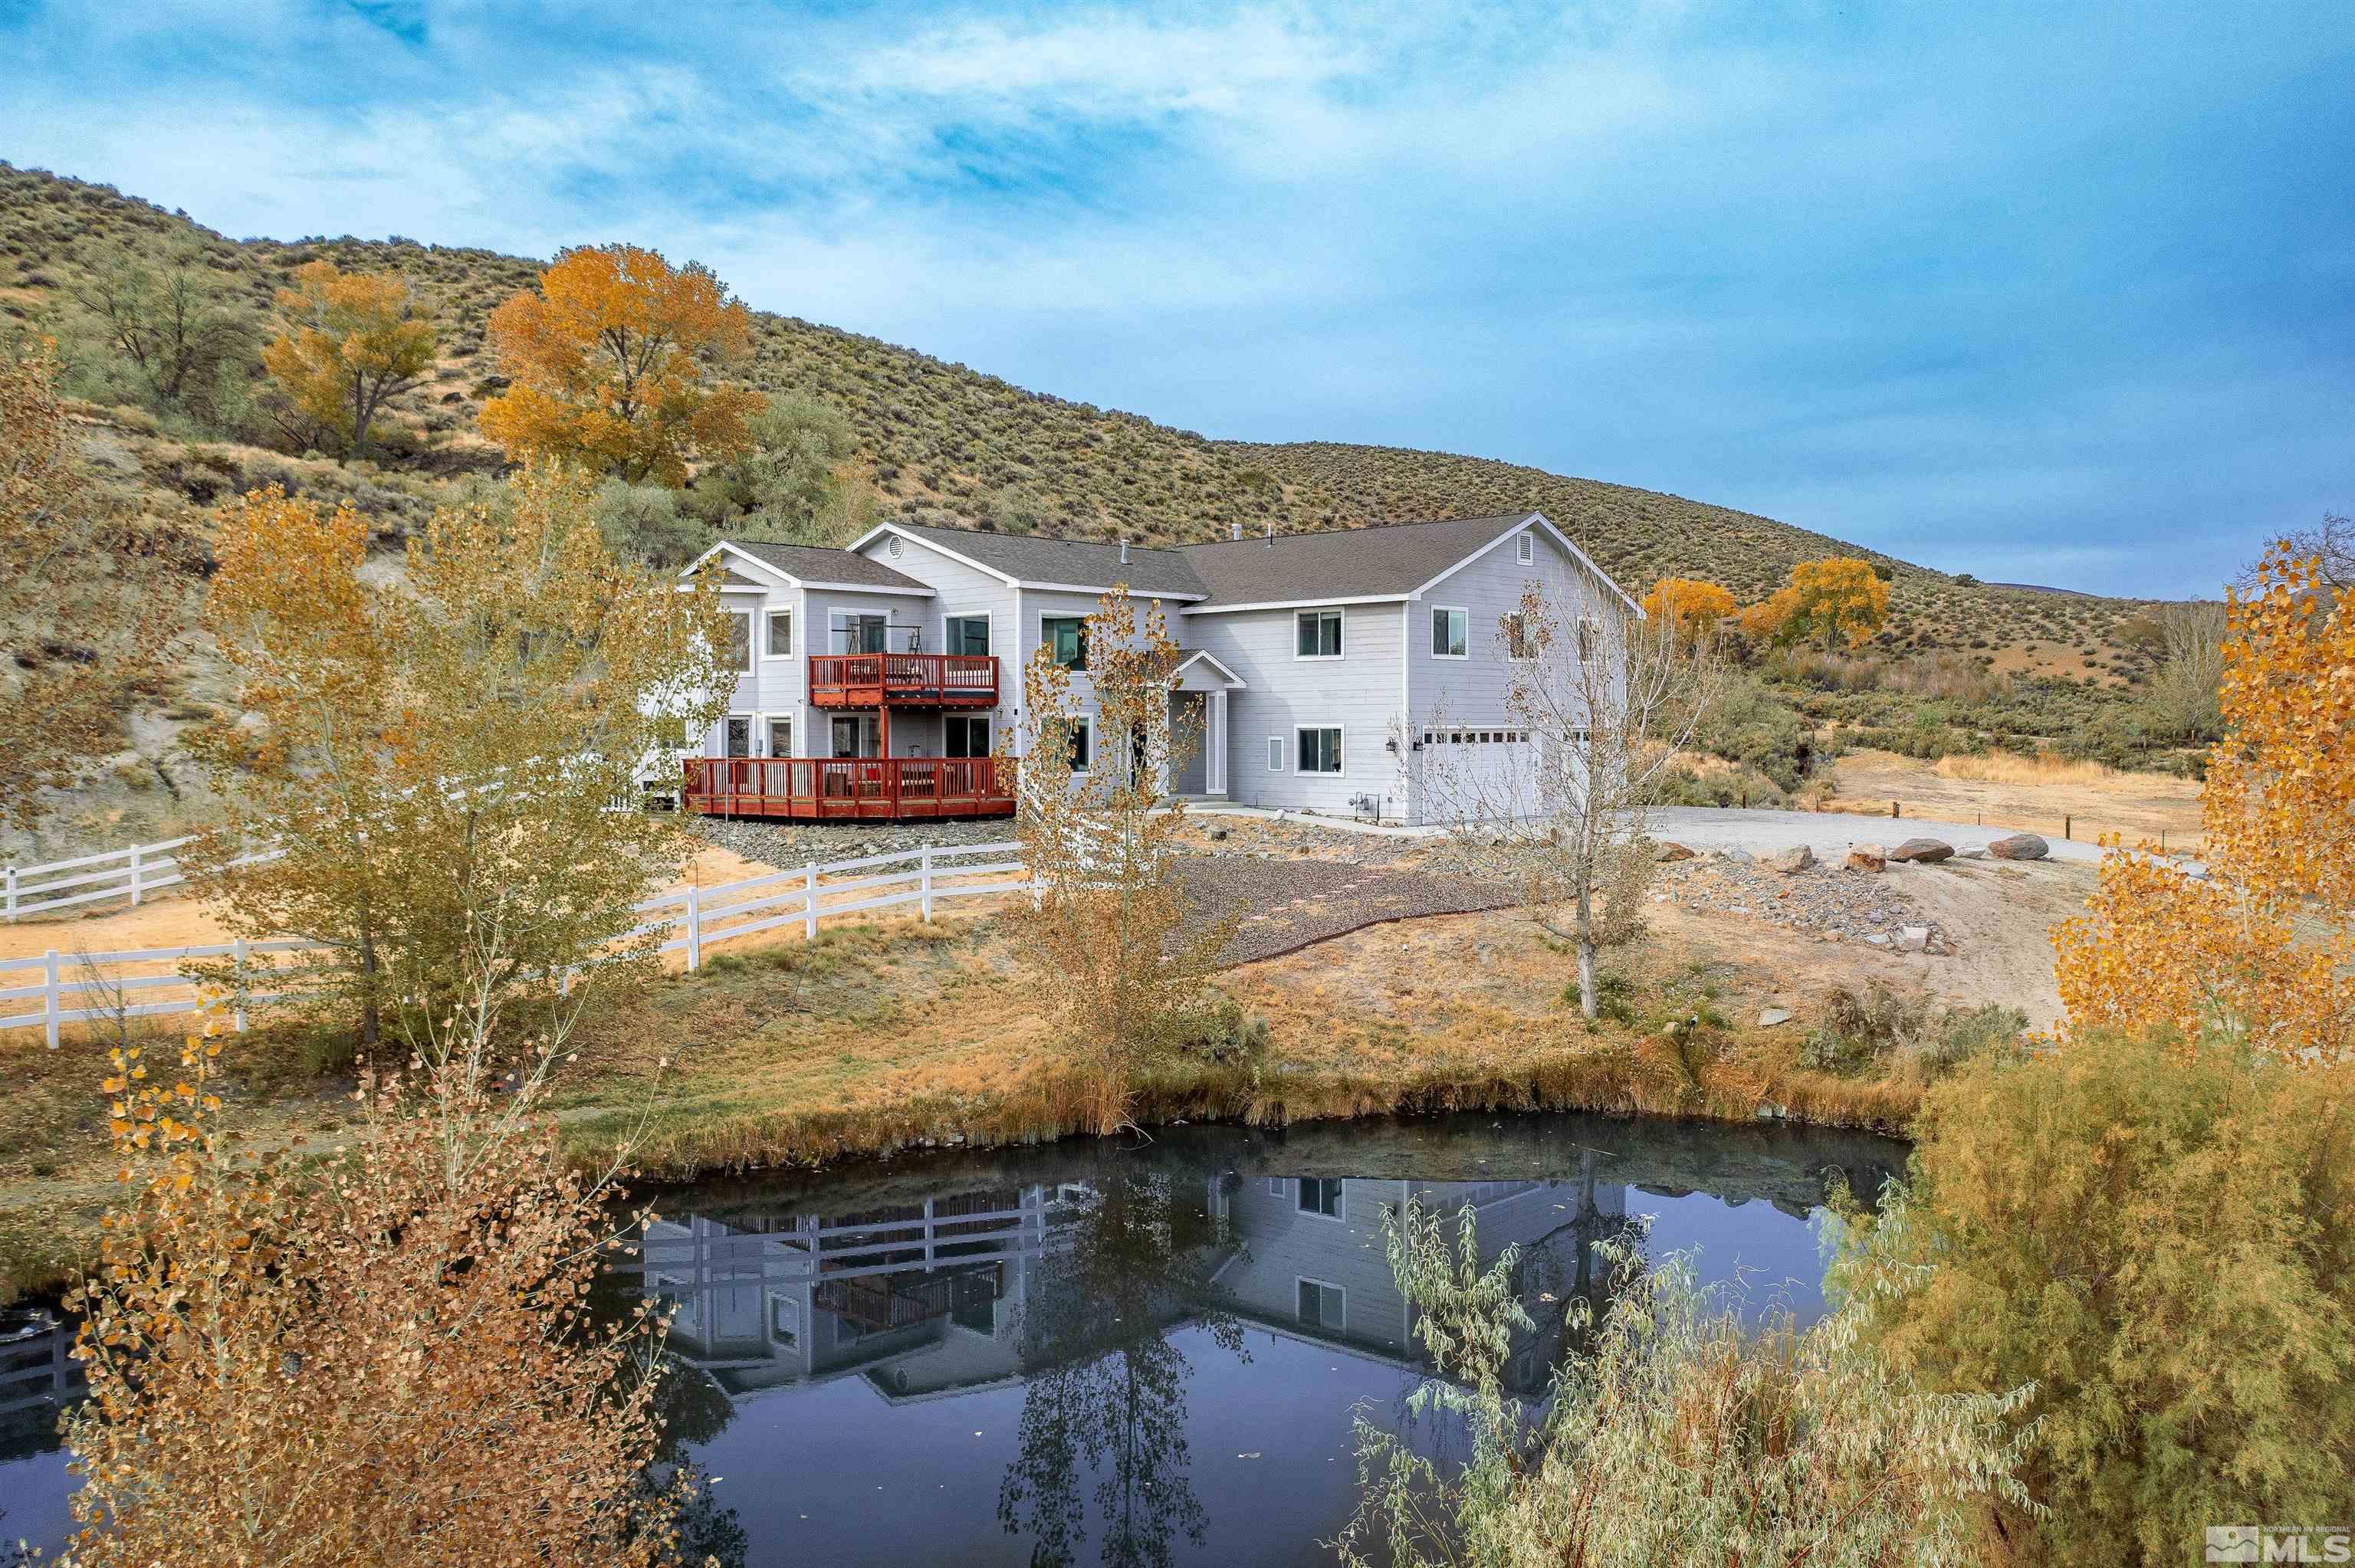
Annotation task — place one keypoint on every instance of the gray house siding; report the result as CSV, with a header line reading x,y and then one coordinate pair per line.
x,y
1361,692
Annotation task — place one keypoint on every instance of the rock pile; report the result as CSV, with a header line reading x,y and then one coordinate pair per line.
x,y
1834,904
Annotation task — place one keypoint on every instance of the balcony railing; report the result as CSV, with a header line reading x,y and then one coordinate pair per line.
x,y
902,680
822,788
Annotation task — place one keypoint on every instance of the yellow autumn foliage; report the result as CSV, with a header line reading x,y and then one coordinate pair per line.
x,y
2263,944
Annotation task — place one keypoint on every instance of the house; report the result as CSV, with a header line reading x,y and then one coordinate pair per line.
x,y
875,681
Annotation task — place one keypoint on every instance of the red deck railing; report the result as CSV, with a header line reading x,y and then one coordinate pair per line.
x,y
913,679
821,788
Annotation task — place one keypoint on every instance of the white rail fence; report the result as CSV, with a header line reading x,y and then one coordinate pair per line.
x,y
83,988
131,873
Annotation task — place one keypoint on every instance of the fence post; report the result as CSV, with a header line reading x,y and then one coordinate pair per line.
x,y
2068,825
12,894
1894,812
49,1000
809,902
927,883
237,971
136,891
694,927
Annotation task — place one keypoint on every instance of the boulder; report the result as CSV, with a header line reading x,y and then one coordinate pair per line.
x,y
1790,859
1866,857
1914,939
1773,1016
1924,851
2020,846
1217,836
1670,852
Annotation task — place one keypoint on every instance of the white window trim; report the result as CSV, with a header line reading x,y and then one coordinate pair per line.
x,y
984,616
1341,741
1044,617
988,719
1275,754
768,621
1525,548
752,628
1341,1290
1088,723
1340,634
1522,617
1465,612
1341,1214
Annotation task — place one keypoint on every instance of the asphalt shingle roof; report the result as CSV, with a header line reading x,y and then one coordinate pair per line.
x,y
1340,563
1026,557
811,564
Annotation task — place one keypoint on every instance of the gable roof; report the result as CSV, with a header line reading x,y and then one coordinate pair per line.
x,y
1026,560
811,564
1387,560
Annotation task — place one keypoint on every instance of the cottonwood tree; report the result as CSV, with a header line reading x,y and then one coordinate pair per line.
x,y
1840,598
613,363
1693,607
2330,545
453,755
168,320
1105,939
2261,948
1597,709
352,340
2182,696
88,596
375,1353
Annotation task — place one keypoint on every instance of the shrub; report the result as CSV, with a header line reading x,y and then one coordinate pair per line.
x,y
1680,1437
1903,1034
2161,1238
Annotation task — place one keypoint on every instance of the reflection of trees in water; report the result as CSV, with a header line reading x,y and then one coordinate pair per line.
x,y
1106,1389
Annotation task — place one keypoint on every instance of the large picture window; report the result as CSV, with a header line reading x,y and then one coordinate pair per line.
x,y
966,734
1320,748
1321,1195
1318,634
1451,633
1323,1306
1066,637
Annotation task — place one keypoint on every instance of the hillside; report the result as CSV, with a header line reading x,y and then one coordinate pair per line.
x,y
939,442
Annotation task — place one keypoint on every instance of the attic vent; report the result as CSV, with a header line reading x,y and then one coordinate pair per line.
x,y
1525,549
898,545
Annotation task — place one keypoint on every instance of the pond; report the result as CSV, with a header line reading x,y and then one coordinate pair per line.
x,y
1131,1353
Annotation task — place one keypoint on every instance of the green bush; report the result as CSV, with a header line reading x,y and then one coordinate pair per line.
x,y
1903,1035
2161,1238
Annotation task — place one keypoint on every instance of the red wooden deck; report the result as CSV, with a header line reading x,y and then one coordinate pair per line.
x,y
903,680
821,789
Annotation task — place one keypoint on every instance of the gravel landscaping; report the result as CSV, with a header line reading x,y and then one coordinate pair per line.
x,y
1295,902
1833,902
795,843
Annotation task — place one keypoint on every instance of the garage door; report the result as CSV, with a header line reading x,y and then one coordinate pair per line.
x,y
1474,772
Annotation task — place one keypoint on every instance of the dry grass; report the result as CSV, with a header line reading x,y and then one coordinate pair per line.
x,y
882,1038
2042,769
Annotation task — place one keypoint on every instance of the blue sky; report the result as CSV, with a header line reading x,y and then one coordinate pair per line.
x,y
2053,294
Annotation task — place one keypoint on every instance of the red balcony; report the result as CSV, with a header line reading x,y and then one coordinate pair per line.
x,y
903,680
827,788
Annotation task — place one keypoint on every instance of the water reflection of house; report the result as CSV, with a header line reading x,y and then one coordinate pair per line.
x,y
921,1298
1310,1259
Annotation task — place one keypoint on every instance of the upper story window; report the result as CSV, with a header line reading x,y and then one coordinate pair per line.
x,y
1451,633
780,633
1067,636
965,634
740,639
1589,637
1525,548
1522,639
1318,634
